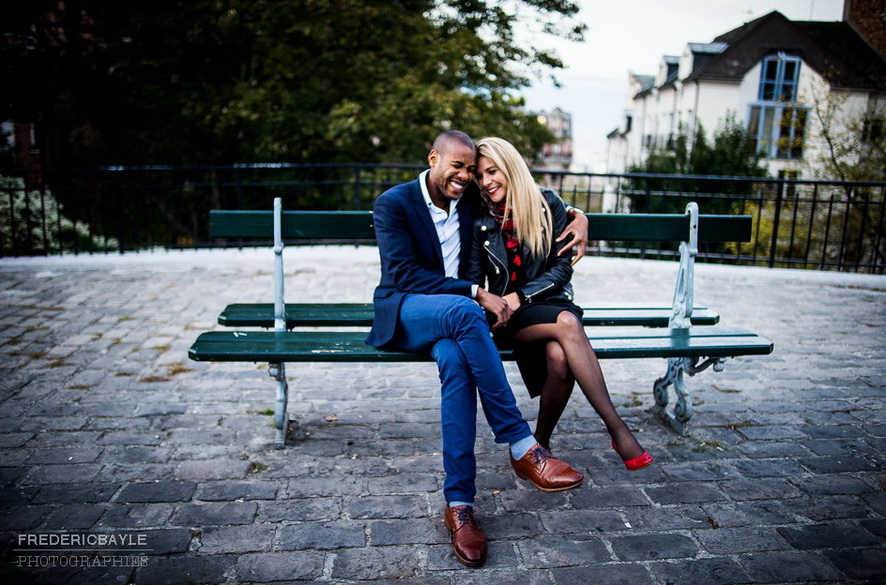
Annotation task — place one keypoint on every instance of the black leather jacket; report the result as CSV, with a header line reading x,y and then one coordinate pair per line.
x,y
547,278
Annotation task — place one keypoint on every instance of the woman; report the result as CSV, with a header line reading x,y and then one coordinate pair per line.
x,y
515,253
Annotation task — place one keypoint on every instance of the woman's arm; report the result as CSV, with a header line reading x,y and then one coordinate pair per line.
x,y
557,271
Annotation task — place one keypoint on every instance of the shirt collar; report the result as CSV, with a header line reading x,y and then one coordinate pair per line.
x,y
423,181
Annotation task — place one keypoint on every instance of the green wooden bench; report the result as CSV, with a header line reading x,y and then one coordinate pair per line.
x,y
361,315
314,332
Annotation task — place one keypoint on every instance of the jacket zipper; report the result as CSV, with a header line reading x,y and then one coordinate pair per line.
x,y
539,291
498,260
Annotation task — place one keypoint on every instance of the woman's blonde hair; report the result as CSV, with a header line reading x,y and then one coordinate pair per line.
x,y
532,217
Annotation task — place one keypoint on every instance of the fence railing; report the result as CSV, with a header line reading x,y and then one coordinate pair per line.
x,y
827,225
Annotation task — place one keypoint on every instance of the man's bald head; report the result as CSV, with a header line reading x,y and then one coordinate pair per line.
x,y
450,138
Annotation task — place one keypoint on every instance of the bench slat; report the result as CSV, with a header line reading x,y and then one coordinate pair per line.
x,y
357,225
340,346
361,315
295,224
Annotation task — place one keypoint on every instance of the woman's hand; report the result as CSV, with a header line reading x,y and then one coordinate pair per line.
x,y
513,300
577,231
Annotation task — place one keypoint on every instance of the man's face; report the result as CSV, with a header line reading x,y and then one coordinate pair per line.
x,y
452,170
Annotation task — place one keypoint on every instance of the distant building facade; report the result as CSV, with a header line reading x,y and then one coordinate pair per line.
x,y
555,158
557,155
767,75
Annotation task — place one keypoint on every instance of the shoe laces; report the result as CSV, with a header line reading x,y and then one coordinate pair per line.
x,y
540,455
465,515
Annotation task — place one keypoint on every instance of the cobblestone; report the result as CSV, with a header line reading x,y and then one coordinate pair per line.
x,y
106,428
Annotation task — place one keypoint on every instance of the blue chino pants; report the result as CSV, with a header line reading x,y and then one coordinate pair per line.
x,y
454,330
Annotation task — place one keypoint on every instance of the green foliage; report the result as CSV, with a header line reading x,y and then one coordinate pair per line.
x,y
224,81
730,155
701,171
31,220
851,132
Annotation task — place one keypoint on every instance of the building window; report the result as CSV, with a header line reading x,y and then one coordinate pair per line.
x,y
777,124
34,137
778,131
872,130
7,136
778,80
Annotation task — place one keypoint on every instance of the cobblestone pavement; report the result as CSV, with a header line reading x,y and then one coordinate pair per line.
x,y
111,438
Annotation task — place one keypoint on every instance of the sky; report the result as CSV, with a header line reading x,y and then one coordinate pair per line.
x,y
632,36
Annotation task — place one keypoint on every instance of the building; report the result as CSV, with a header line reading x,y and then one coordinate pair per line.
x,y
557,155
553,163
783,80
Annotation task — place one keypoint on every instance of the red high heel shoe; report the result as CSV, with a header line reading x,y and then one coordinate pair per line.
x,y
637,463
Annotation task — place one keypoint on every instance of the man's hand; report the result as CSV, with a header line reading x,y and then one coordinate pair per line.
x,y
496,305
577,232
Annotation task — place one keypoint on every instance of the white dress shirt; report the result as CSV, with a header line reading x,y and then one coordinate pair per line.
x,y
447,226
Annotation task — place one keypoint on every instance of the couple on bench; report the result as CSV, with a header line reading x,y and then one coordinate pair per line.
x,y
455,264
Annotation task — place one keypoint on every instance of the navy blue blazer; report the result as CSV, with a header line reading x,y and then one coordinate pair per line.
x,y
411,256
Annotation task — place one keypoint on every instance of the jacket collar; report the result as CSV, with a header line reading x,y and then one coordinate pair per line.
x,y
423,215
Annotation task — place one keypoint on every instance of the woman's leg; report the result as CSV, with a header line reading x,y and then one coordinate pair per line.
x,y
555,393
583,363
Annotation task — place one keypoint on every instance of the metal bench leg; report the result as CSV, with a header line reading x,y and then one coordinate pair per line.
x,y
281,420
683,408
278,370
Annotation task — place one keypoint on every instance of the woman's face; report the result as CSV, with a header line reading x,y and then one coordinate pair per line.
x,y
492,181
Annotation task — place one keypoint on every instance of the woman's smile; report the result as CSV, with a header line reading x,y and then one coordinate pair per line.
x,y
492,181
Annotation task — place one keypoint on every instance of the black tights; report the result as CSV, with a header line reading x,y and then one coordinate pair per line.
x,y
570,359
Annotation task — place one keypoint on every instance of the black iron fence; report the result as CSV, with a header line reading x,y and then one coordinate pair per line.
x,y
824,225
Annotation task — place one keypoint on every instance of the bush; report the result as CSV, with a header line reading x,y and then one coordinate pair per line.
x,y
32,222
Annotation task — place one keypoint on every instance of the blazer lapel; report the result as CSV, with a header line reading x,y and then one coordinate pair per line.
x,y
423,218
465,233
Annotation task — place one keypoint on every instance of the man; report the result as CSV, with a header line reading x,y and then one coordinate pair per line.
x,y
423,230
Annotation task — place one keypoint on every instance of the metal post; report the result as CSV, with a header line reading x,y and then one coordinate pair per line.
x,y
680,323
278,370
279,304
809,231
775,223
877,267
844,235
681,308
859,253
357,189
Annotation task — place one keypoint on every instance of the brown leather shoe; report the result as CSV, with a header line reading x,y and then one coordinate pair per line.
x,y
545,471
468,541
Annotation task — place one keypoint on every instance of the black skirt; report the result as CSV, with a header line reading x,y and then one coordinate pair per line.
x,y
530,357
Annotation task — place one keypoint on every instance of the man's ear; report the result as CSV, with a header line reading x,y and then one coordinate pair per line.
x,y
433,156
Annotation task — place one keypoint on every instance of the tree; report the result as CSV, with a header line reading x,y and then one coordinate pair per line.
x,y
215,82
849,126
57,61
730,155
711,174
223,81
